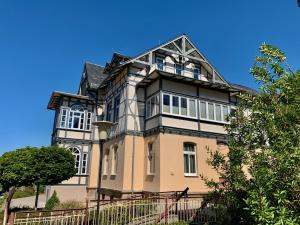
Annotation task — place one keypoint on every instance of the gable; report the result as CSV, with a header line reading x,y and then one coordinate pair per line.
x,y
180,47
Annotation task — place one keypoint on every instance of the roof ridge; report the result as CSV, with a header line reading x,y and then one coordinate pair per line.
x,y
88,62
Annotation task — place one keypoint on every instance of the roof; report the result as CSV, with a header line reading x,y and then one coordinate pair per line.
x,y
57,95
95,74
244,89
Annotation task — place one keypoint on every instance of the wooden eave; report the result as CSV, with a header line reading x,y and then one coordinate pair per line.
x,y
150,78
57,95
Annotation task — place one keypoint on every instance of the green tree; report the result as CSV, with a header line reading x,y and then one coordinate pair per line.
x,y
51,165
15,171
261,172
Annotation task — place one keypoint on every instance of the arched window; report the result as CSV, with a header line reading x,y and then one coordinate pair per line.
x,y
189,157
76,117
77,156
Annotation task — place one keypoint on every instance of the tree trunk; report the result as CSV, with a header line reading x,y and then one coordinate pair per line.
x,y
7,204
37,196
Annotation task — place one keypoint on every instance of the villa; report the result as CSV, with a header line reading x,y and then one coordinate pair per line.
x,y
168,105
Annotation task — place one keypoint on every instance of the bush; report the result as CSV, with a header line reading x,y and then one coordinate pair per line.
x,y
52,202
71,204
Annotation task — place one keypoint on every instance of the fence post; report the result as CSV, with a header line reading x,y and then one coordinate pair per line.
x,y
86,212
166,211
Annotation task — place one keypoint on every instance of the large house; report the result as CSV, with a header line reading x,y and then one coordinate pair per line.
x,y
168,105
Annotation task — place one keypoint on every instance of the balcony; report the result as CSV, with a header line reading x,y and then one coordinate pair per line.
x,y
179,70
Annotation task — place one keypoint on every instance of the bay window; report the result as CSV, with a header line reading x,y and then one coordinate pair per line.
x,y
166,103
76,118
179,105
215,112
152,106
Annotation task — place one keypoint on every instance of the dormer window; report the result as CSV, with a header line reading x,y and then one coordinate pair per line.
x,y
178,68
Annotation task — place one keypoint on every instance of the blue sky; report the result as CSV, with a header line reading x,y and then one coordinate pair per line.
x,y
43,45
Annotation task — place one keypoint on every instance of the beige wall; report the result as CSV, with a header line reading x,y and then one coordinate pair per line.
x,y
171,160
169,165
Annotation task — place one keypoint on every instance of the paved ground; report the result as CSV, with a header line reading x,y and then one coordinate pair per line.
x,y
29,202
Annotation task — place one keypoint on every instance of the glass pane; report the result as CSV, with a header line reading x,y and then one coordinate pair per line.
x,y
178,68
166,103
76,122
211,115
218,113
225,113
156,104
192,164
192,108
186,163
183,106
175,105
203,110
152,106
148,108
196,73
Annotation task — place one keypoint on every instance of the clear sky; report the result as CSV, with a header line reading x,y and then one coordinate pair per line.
x,y
43,45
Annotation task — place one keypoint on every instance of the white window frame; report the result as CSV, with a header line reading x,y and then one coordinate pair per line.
x,y
179,99
66,117
196,74
163,63
181,68
84,163
77,157
223,121
81,117
149,105
189,153
88,121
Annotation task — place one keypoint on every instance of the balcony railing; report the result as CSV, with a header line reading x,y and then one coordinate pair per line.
x,y
181,71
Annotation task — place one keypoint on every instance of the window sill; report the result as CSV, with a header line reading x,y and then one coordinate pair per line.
x,y
150,174
76,130
191,175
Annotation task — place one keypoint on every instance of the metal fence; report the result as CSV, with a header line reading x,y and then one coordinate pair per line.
x,y
131,212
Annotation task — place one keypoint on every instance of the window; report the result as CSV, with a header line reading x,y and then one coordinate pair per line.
x,y
196,73
106,162
116,108
84,163
114,161
166,103
175,105
88,121
63,119
189,155
218,112
76,117
152,106
151,159
76,153
160,63
109,112
192,107
178,68
211,115
181,106
214,111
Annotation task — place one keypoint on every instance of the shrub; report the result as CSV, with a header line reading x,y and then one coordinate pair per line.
x,y
71,204
52,202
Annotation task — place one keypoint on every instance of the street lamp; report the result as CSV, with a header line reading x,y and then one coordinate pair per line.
x,y
103,126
